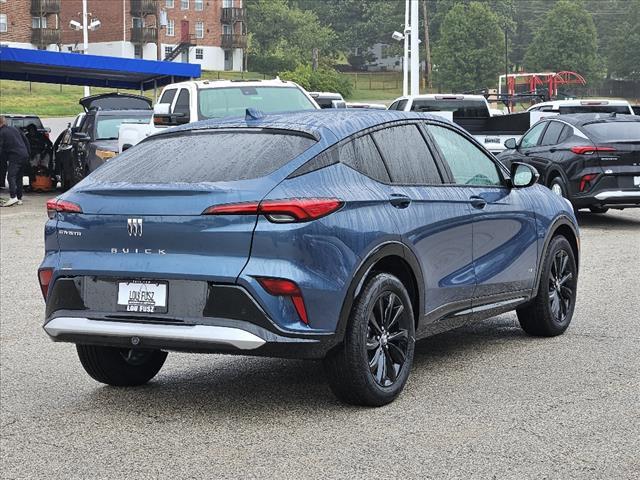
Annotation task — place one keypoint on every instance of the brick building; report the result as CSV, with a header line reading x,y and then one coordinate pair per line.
x,y
209,32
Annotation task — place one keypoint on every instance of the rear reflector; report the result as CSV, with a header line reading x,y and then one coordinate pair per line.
x,y
44,277
55,205
585,181
280,287
281,211
590,149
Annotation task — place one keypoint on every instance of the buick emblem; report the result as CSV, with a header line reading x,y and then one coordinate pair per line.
x,y
134,227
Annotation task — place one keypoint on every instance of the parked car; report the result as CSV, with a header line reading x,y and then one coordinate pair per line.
x,y
328,99
194,101
38,136
92,139
336,235
587,105
591,159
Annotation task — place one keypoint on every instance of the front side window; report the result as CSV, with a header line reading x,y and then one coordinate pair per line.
x,y
182,104
407,156
532,138
234,101
171,28
199,29
193,157
168,95
3,23
184,4
468,164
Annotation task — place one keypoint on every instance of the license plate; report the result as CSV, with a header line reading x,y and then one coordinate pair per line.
x,y
636,181
142,297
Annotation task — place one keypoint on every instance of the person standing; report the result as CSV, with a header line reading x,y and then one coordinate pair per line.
x,y
16,151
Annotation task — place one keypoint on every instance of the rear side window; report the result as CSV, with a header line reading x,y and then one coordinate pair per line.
x,y
203,157
468,164
168,96
614,131
552,133
362,155
407,156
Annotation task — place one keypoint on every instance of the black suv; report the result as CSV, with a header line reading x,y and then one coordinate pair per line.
x,y
593,159
38,136
93,140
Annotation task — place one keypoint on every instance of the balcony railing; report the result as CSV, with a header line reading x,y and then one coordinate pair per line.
x,y
141,8
144,34
45,36
234,40
42,7
233,14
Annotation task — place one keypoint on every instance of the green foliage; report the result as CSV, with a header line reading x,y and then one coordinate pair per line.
x,y
566,40
283,36
624,49
323,80
467,54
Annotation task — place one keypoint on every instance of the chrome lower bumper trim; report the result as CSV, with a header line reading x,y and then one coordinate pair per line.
x,y
617,194
200,334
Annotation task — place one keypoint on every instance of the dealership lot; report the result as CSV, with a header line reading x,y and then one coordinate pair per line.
x,y
482,401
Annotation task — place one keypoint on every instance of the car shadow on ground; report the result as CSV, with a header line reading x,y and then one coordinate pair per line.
x,y
245,384
607,221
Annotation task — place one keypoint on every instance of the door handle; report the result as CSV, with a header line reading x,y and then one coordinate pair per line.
x,y
478,202
399,201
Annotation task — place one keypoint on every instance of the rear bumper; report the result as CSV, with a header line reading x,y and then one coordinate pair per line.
x,y
610,198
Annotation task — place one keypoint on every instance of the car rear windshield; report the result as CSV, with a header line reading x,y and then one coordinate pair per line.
x,y
612,132
234,101
460,108
594,109
204,157
109,125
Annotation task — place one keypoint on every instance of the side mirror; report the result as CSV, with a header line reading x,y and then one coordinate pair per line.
x,y
162,116
80,137
162,109
523,175
510,144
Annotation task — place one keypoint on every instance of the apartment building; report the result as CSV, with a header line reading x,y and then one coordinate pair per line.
x,y
211,33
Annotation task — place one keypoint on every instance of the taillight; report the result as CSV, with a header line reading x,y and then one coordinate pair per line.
x,y
55,205
585,181
281,211
279,287
590,149
44,277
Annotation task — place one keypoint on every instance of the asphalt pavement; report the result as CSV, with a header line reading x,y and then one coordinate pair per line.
x,y
484,401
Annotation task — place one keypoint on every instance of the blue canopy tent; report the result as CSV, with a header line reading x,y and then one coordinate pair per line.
x,y
91,70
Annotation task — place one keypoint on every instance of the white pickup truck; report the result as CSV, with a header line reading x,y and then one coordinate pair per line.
x,y
473,113
192,101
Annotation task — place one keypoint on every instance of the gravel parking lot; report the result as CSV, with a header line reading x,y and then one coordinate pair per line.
x,y
484,401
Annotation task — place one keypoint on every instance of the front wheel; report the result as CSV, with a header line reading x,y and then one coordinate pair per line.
x,y
372,365
120,367
550,312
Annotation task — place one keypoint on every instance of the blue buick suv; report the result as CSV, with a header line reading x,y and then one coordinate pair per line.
x,y
337,235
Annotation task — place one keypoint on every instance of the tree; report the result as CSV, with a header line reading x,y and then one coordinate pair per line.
x,y
468,53
567,40
624,52
283,36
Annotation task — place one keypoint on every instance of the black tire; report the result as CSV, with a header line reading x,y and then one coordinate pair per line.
x,y
120,367
598,209
550,312
372,365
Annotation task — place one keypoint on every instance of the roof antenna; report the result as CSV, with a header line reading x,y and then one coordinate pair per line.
x,y
253,114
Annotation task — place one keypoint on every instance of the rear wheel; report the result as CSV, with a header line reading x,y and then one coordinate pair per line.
x,y
120,367
371,367
558,187
550,312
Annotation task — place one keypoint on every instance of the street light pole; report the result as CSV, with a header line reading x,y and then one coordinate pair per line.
x,y
85,37
405,59
415,52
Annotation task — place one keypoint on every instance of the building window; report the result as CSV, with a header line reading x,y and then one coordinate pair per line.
x,y
137,51
170,4
199,53
38,22
198,4
184,4
3,23
227,3
171,28
226,29
199,29
167,51
137,22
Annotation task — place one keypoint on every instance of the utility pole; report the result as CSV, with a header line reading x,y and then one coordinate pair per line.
x,y
85,37
405,59
427,46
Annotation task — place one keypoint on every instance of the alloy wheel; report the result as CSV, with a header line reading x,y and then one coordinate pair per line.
x,y
560,286
557,189
387,338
